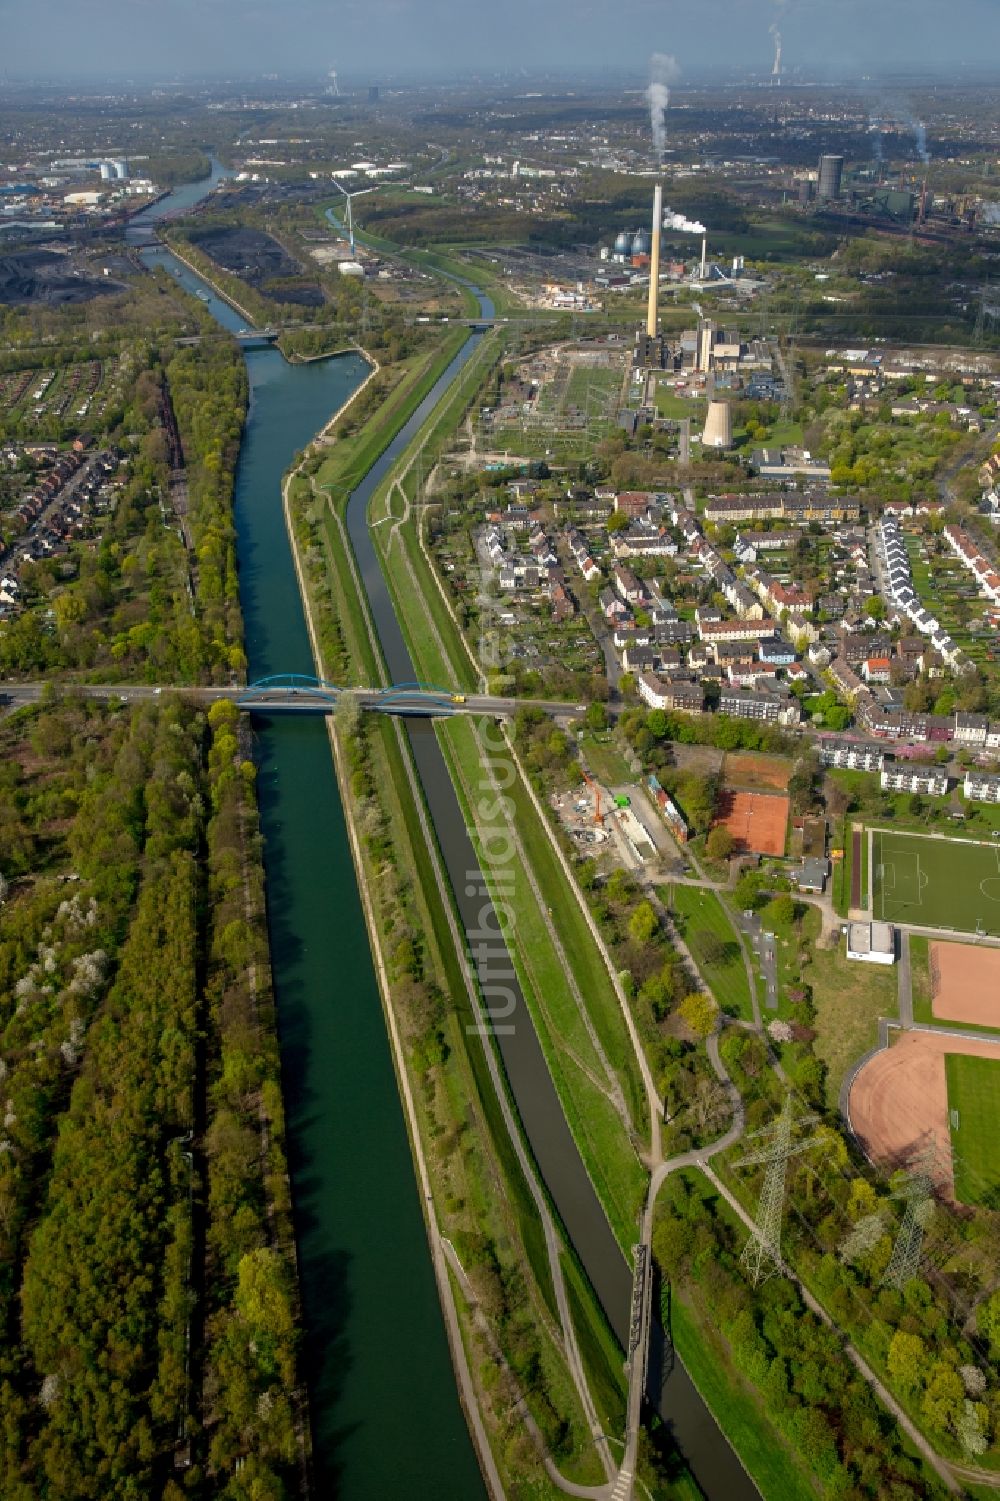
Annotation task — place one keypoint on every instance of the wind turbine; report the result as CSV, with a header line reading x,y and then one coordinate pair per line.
x,y
350,216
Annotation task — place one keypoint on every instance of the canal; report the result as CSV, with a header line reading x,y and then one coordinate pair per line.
x,y
385,1414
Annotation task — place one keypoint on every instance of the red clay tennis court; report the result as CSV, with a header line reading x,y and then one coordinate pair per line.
x,y
758,821
965,983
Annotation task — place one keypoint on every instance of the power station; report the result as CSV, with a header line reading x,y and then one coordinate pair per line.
x,y
831,172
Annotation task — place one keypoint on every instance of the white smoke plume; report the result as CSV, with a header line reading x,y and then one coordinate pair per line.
x,y
682,225
920,141
875,131
663,71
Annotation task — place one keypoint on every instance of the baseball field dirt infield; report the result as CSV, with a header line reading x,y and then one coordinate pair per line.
x,y
965,983
899,1101
750,770
757,820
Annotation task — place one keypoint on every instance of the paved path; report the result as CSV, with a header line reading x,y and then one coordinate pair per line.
x,y
904,980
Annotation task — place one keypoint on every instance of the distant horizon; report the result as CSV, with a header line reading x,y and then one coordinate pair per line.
x,y
445,41
624,76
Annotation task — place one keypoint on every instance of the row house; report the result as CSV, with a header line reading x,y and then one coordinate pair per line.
x,y
635,503
739,703
877,669
743,602
980,567
726,509
845,678
712,631
660,693
971,729
929,781
776,653
581,556
644,541
541,548
857,646
615,610
851,755
628,587
728,653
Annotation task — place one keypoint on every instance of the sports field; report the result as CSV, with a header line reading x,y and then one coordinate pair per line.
x,y
758,821
936,883
974,1118
901,1102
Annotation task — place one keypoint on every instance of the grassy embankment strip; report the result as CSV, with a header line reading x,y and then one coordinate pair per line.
x,y
576,1070
698,910
351,456
438,650
742,1417
920,977
465,1082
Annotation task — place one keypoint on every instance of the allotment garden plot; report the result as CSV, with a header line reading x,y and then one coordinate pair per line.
x,y
936,883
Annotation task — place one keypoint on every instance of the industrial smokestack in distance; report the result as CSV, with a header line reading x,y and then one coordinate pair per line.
x,y
704,259
652,310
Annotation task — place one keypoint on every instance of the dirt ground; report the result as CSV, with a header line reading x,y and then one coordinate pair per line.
x,y
748,769
756,820
703,759
965,983
899,1101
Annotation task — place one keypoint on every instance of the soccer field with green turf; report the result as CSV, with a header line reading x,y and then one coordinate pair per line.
x,y
974,1116
936,883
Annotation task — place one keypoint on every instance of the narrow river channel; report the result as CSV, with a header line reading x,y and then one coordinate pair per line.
x,y
386,1418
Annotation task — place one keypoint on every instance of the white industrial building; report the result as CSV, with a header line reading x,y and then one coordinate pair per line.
x,y
871,942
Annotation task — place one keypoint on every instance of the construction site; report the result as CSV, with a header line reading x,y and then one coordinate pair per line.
x,y
620,826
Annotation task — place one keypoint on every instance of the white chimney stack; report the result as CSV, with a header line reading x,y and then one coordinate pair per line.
x,y
652,310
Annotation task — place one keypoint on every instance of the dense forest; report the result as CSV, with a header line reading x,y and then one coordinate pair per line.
x,y
147,1295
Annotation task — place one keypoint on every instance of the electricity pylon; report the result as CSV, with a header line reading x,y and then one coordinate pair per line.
x,y
917,1193
761,1255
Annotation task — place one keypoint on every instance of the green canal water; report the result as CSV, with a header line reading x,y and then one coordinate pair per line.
x,y
385,1412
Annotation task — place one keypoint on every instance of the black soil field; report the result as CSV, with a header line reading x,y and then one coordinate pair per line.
x,y
259,260
41,276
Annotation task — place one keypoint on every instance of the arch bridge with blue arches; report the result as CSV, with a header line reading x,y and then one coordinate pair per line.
x,y
299,693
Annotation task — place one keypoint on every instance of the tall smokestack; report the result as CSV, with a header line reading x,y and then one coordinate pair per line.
x,y
652,310
704,257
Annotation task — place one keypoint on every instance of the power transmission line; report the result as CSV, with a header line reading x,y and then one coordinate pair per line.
x,y
761,1255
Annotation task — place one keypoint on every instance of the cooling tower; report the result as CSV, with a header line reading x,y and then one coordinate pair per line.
x,y
654,263
718,426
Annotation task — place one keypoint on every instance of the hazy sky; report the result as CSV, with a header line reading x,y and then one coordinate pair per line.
x,y
375,38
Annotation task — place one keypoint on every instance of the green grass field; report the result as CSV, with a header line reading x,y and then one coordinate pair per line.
x,y
698,911
936,883
974,1107
605,760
